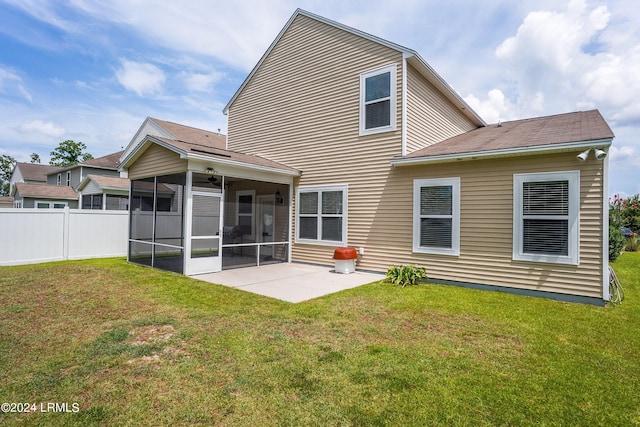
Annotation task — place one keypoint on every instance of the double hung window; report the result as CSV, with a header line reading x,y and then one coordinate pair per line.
x,y
378,100
436,216
546,208
321,215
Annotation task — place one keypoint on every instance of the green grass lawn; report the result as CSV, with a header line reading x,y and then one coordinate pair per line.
x,y
135,346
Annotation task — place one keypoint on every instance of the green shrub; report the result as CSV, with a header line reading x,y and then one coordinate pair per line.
x,y
616,243
632,244
403,275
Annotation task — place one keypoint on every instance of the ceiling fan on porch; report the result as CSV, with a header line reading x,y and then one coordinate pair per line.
x,y
214,181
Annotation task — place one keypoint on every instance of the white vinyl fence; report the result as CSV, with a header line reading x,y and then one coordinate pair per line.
x,y
30,236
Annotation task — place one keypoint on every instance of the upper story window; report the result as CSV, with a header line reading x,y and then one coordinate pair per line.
x,y
68,178
378,100
546,212
59,179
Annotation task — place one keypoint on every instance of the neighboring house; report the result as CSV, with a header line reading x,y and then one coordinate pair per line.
x,y
31,173
109,194
104,192
72,176
44,196
340,138
6,202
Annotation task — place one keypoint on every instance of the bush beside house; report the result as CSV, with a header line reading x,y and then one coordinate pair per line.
x,y
623,212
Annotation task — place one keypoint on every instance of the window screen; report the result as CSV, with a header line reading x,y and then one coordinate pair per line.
x,y
545,216
378,101
436,216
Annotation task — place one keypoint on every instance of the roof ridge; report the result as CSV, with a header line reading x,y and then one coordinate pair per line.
x,y
187,126
543,117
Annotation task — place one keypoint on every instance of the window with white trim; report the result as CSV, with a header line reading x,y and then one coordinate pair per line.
x,y
59,179
436,216
321,215
68,178
546,217
50,205
378,100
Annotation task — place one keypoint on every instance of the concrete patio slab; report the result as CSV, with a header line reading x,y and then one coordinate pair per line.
x,y
290,282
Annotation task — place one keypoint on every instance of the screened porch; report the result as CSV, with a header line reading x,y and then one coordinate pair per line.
x,y
192,223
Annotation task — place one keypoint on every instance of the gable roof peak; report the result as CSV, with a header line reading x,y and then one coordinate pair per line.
x,y
411,55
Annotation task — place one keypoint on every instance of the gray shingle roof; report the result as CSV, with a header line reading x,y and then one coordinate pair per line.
x,y
194,135
45,191
110,161
582,126
211,150
36,171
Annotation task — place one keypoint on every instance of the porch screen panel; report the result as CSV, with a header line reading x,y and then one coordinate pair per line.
x,y
141,217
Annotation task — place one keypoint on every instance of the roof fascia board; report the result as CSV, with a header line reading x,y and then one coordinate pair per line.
x,y
138,138
243,165
476,155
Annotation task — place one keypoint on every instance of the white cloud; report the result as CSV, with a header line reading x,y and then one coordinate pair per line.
x,y
624,154
141,78
200,82
235,32
494,109
45,128
10,82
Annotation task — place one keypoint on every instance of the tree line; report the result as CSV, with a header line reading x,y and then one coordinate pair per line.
x,y
67,153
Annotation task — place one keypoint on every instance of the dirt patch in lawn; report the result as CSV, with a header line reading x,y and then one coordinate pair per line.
x,y
154,335
150,334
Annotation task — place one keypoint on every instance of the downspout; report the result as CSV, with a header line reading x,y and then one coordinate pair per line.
x,y
605,232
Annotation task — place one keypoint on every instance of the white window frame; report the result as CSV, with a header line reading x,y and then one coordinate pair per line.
x,y
17,204
252,215
68,178
454,183
392,98
344,215
50,204
59,179
573,217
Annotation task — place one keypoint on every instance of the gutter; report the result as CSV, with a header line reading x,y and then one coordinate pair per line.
x,y
521,151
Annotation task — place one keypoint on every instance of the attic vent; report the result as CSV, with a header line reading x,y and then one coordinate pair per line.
x,y
196,150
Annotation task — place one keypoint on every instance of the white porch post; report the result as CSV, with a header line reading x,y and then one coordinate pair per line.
x,y
290,251
188,224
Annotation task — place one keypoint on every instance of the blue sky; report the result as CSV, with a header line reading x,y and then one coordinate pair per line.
x,y
92,71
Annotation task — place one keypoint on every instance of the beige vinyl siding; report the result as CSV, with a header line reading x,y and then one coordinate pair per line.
x,y
149,127
486,226
431,117
301,108
156,161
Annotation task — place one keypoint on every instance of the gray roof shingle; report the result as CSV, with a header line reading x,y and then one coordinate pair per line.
x,y
582,126
45,191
